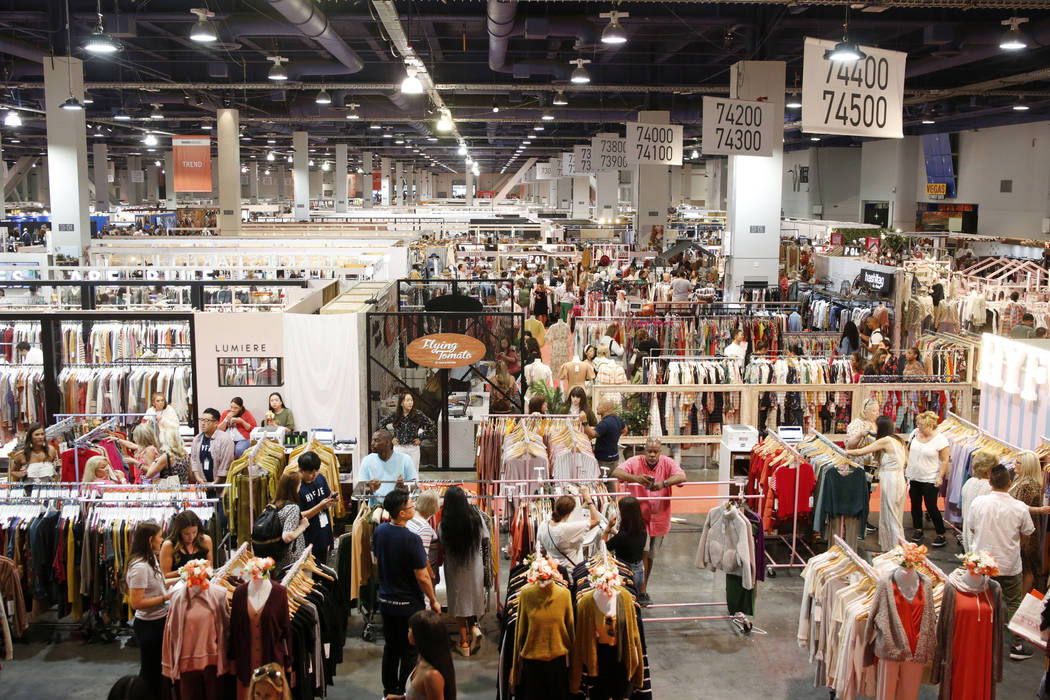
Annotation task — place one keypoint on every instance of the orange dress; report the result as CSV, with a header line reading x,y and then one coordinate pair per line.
x,y
910,614
972,647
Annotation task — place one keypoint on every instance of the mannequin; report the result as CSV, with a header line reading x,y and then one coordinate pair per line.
x,y
537,371
907,581
543,634
260,629
575,372
196,635
608,644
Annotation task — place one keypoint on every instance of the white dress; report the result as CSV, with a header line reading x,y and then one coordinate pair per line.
x,y
891,501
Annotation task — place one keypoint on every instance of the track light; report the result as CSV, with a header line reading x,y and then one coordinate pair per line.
x,y
352,114
580,76
122,116
100,42
72,104
12,119
277,72
1013,40
547,116
323,98
411,85
150,140
156,113
203,31
613,32
559,99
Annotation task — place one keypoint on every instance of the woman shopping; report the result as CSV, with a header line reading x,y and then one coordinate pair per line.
x,y
927,467
186,542
409,426
434,676
36,460
629,543
286,501
239,423
892,458
148,597
462,533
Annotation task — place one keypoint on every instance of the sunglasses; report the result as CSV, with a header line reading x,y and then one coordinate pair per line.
x,y
273,675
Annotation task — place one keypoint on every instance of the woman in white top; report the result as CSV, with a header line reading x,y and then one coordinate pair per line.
x,y
892,458
164,414
927,467
860,429
148,597
562,538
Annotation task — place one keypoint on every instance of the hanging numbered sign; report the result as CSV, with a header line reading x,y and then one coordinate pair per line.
x,y
737,127
582,160
654,144
608,153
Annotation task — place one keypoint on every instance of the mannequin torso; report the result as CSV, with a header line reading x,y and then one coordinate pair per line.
x,y
258,593
907,582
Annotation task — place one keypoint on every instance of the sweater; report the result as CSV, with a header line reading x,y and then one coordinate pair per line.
x,y
544,630
942,658
885,636
728,544
585,645
171,651
275,628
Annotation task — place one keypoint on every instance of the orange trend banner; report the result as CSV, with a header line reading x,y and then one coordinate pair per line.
x,y
192,155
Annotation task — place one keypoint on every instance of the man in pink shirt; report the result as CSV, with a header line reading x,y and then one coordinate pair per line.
x,y
647,476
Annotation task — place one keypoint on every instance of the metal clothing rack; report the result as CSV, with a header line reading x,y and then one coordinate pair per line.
x,y
864,566
795,559
983,432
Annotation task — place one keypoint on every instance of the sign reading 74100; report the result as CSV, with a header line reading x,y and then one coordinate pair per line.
x,y
654,144
855,98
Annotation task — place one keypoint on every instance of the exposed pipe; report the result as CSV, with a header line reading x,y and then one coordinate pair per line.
x,y
14,47
502,24
312,23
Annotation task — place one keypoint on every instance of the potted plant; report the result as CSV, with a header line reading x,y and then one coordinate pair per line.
x,y
556,401
635,414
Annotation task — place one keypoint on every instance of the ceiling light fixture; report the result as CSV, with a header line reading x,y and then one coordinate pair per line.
x,y
444,122
156,113
462,150
927,121
271,157
1020,105
1013,40
694,154
814,138
72,104
203,31
580,76
311,163
845,51
547,116
613,32
376,127
352,114
323,98
277,72
122,116
538,127
326,166
150,140
100,42
12,119
495,107
559,99
411,85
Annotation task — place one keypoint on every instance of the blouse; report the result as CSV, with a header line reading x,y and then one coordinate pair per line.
x,y
414,426
236,432
290,516
149,579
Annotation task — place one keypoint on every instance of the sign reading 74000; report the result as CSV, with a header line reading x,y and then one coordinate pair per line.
x,y
654,144
857,98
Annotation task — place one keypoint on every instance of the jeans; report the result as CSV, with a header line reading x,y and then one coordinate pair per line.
x,y
1013,594
239,446
923,491
638,571
150,635
399,657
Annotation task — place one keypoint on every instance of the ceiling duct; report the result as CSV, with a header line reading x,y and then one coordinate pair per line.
x,y
503,24
312,23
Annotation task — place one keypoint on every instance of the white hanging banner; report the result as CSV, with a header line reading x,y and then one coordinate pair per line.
x,y
568,164
857,98
582,160
608,153
737,127
654,144
548,171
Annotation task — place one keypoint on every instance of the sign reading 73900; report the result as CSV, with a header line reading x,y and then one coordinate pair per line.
x,y
654,144
853,98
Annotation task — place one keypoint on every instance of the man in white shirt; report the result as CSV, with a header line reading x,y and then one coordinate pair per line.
x,y
738,348
996,522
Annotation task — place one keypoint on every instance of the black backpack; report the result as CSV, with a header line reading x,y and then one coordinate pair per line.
x,y
267,534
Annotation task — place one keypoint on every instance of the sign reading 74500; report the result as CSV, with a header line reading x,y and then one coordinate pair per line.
x,y
856,98
654,144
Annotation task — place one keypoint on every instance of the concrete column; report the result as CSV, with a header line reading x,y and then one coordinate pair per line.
x,y
43,191
755,185
253,183
652,193
301,175
100,171
715,194
399,184
152,183
676,185
340,191
229,139
67,152
366,188
170,199
470,187
686,190
387,189
134,164
565,193
3,190
413,189
279,174
581,197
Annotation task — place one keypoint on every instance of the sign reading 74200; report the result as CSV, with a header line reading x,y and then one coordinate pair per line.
x,y
737,127
654,144
857,98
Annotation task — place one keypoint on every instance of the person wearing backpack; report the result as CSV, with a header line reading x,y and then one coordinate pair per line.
x,y
286,544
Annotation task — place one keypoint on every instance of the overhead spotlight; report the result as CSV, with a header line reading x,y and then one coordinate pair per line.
x,y
72,104
203,31
431,139
1019,106
12,119
277,72
559,99
1013,40
399,141
387,135
444,122
198,101
122,116
311,163
266,172
375,127
244,169
495,107
547,116
845,51
150,140
271,141
468,160
156,163
270,156
289,159
814,138
323,98
613,32
580,76
88,99
694,154
156,113
326,166
352,114
793,103
411,85
100,41
538,127
462,150
928,120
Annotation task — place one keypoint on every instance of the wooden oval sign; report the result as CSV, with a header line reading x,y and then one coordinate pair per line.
x,y
445,350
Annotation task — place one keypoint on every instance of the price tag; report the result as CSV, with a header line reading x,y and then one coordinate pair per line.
x,y
654,144
547,171
737,127
582,160
608,153
322,520
858,98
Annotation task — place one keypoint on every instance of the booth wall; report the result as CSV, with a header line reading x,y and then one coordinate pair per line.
x,y
237,335
1009,417
323,371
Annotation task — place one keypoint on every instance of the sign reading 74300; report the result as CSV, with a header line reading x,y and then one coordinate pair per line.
x,y
737,127
654,144
857,98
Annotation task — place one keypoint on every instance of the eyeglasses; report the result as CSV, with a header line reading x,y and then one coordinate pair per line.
x,y
270,673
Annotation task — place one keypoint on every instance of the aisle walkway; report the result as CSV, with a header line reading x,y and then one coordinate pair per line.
x,y
681,654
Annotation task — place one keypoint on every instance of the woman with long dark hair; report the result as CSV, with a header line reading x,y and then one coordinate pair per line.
x,y
463,535
410,426
36,461
434,676
628,544
186,542
279,414
849,343
239,422
894,490
148,597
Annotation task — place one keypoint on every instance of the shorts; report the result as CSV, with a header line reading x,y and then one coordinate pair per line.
x,y
654,545
608,464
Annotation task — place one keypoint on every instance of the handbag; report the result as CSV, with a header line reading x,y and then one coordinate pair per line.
x,y
1026,621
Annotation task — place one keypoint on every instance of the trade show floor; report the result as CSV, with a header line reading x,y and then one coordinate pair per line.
x,y
681,655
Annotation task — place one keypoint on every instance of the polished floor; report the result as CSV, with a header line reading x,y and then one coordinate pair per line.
x,y
708,659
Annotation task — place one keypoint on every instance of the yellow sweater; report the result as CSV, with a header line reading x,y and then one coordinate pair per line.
x,y
585,649
544,629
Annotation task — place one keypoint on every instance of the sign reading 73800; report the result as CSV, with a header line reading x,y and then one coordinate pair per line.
x,y
855,98
654,144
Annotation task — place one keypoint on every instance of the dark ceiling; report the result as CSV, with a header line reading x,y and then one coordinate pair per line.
x,y
676,52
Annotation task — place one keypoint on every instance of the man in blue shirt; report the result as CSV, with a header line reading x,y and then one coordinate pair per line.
x,y
315,498
383,469
607,435
794,322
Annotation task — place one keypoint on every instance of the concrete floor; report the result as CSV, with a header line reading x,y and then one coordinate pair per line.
x,y
727,663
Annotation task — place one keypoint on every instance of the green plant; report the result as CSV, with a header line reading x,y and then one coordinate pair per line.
x,y
556,401
635,415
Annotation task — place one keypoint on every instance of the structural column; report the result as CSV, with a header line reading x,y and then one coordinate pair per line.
x,y
581,197
152,183
170,199
384,180
366,189
100,170
341,195
470,187
399,184
229,129
715,179
652,188
253,183
301,175
135,184
606,196
67,152
755,185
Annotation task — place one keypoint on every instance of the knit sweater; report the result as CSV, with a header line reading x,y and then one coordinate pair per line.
x,y
885,636
942,658
585,646
174,640
728,544
544,630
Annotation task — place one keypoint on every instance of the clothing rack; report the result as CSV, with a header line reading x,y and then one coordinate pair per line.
x,y
772,566
59,428
856,558
983,432
836,448
297,565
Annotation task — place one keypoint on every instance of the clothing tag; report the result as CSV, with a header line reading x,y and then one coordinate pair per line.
x,y
327,650
322,520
